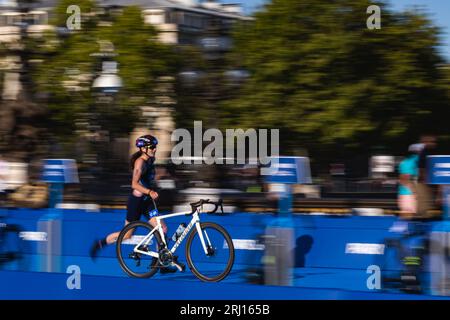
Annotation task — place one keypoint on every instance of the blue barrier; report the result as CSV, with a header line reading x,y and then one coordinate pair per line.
x,y
327,237
329,251
321,241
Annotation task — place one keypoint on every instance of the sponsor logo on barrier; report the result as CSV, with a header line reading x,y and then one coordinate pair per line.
x,y
399,227
364,248
54,167
245,244
33,236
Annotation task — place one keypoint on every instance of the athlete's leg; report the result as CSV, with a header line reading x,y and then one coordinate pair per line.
x,y
134,210
407,205
112,237
153,222
150,208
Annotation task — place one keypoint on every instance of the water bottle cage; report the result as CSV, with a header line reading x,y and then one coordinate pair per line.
x,y
178,232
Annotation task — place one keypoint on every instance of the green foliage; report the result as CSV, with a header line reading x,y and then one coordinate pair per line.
x,y
191,103
69,65
327,81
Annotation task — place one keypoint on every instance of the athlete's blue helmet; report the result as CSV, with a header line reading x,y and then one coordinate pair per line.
x,y
146,141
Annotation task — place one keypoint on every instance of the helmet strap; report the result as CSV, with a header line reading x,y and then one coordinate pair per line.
x,y
145,152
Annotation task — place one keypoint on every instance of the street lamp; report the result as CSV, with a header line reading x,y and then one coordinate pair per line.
x,y
108,82
104,88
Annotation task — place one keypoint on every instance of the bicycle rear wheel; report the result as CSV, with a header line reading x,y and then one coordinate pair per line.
x,y
216,264
136,264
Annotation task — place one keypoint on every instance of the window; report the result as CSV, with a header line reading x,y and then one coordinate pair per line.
x,y
39,18
10,19
155,17
180,18
193,21
188,20
2,21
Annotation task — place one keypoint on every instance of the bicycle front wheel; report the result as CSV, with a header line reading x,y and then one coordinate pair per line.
x,y
215,264
135,263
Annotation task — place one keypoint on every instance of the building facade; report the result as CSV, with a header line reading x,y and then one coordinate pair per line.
x,y
205,24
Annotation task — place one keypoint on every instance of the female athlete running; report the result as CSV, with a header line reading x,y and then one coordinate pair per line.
x,y
143,186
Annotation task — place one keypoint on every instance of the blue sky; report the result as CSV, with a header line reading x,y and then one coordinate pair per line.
x,y
438,10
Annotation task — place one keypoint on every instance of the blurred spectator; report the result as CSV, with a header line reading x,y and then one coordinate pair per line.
x,y
408,174
15,188
425,193
30,196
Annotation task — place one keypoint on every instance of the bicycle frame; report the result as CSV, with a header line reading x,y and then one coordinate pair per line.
x,y
158,228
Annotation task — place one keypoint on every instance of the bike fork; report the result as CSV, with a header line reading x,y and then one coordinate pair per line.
x,y
202,239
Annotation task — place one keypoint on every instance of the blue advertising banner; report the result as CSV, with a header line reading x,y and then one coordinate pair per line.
x,y
289,170
60,171
439,169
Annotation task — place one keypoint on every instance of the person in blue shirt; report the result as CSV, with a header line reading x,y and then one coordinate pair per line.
x,y
408,173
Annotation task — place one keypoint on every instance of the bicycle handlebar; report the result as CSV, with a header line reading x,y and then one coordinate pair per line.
x,y
201,202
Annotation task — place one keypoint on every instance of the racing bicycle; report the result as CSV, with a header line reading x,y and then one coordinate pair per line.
x,y
142,249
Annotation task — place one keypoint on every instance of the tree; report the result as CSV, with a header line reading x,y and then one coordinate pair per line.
x,y
191,87
20,116
68,66
334,86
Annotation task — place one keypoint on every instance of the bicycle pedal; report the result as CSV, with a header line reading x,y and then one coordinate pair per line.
x,y
165,270
180,266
